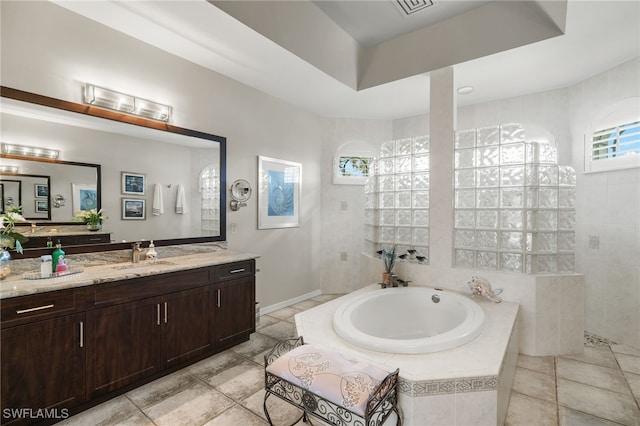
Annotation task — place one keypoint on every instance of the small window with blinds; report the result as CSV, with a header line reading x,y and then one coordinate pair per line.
x,y
615,140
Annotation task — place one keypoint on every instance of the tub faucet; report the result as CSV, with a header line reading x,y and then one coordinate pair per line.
x,y
481,287
135,252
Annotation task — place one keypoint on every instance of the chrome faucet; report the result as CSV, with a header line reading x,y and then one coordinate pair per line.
x,y
135,252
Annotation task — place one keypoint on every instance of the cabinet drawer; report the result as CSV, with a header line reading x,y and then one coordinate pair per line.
x,y
234,270
36,307
140,288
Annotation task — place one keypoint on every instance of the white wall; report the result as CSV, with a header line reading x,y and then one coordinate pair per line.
x,y
608,208
51,51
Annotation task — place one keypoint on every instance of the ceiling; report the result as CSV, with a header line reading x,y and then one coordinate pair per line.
x,y
351,66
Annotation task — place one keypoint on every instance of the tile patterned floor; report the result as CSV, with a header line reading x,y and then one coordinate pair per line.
x,y
599,387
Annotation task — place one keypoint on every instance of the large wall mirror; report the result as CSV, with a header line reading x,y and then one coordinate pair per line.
x,y
101,154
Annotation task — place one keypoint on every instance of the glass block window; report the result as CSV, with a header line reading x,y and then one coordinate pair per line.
x,y
210,201
514,206
397,199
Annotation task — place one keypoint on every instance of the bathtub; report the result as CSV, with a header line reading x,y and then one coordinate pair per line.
x,y
409,320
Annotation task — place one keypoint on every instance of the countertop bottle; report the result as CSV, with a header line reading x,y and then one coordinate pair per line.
x,y
45,266
61,267
55,256
49,242
152,254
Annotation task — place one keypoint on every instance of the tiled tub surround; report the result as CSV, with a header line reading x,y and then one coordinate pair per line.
x,y
551,306
102,267
470,384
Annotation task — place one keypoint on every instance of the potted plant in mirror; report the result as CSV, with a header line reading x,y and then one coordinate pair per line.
x,y
93,218
9,238
389,259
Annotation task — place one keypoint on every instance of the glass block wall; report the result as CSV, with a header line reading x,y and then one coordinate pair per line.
x,y
397,198
513,205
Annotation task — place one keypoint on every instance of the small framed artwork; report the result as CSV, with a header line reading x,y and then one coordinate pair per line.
x,y
133,183
84,196
42,191
134,209
279,190
42,206
352,169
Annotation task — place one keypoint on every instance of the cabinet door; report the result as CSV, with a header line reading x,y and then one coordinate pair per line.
x,y
123,344
187,322
234,310
43,365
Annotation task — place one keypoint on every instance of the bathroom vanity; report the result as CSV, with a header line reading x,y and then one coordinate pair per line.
x,y
80,339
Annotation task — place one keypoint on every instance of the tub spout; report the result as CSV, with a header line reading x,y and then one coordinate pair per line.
x,y
481,287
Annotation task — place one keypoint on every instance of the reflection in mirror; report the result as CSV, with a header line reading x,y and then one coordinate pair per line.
x,y
31,191
183,170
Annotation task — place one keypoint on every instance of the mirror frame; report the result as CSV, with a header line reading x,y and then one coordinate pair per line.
x,y
28,97
30,219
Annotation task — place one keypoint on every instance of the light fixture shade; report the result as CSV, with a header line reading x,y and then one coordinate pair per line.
x,y
29,151
9,169
106,98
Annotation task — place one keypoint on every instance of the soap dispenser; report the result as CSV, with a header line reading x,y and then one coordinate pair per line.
x,y
55,256
152,254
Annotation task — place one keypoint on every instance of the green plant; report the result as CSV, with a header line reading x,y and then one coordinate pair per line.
x,y
92,216
9,237
389,259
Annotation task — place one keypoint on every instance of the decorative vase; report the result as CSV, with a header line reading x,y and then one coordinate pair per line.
x,y
5,263
94,226
386,279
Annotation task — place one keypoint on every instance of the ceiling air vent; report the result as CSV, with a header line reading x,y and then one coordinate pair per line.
x,y
408,7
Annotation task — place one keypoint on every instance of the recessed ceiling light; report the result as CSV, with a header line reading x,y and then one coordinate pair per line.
x,y
465,90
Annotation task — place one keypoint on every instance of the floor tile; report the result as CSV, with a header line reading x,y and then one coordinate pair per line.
x,y
306,304
624,349
285,313
161,389
256,344
111,412
237,415
138,419
593,375
525,410
569,417
211,366
193,406
600,355
541,364
280,330
245,381
534,384
634,384
281,412
598,402
266,320
629,363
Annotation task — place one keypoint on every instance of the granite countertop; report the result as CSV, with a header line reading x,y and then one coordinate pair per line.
x,y
97,272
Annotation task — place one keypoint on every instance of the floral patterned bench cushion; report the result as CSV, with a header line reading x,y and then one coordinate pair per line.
x,y
330,375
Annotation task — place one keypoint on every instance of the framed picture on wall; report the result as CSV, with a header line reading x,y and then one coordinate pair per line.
x,y
279,190
42,206
84,196
42,191
134,209
133,183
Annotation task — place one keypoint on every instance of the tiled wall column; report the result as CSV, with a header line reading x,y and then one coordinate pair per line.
x,y
442,124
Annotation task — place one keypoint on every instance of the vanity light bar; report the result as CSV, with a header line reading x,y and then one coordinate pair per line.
x,y
9,169
110,99
29,151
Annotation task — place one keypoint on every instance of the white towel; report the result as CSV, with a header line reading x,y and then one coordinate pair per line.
x,y
158,204
181,201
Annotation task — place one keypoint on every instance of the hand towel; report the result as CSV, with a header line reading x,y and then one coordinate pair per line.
x,y
158,204
181,201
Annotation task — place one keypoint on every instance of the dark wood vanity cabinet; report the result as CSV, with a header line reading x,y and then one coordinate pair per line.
x,y
234,311
96,341
43,357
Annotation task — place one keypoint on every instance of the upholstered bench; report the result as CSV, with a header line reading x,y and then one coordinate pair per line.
x,y
329,385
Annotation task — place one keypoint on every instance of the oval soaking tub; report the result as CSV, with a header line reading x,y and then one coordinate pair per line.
x,y
408,320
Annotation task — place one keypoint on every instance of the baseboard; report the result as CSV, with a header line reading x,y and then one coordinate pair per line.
x,y
284,304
